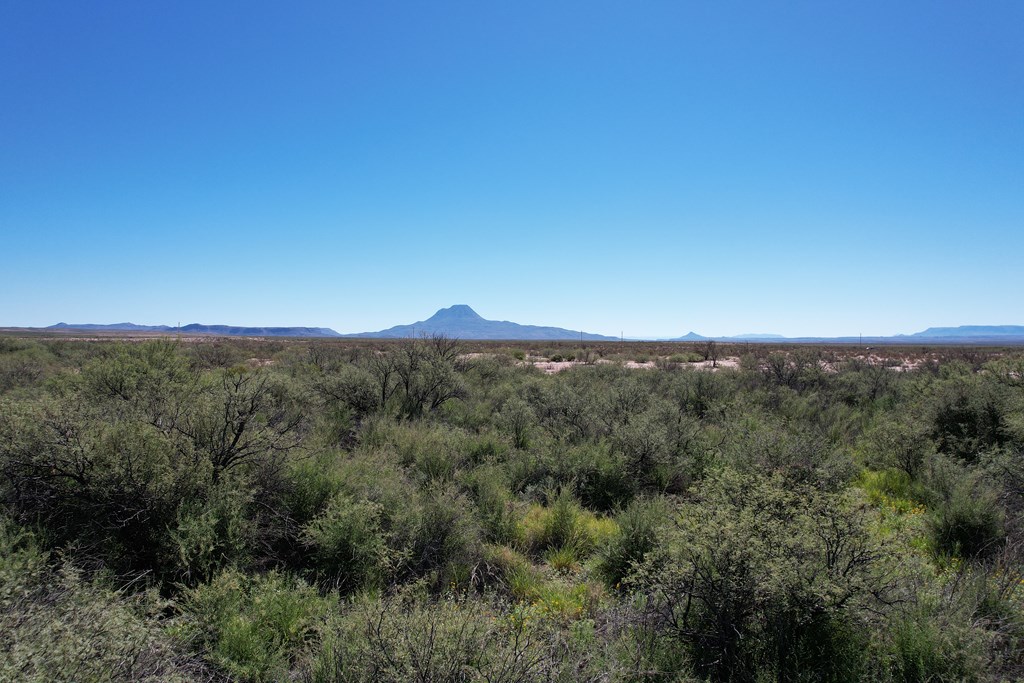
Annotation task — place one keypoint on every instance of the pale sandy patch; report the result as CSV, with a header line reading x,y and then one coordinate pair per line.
x,y
551,367
729,363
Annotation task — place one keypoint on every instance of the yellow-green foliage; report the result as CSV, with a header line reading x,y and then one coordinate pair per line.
x,y
545,594
890,490
253,627
512,570
563,560
564,524
563,602
502,559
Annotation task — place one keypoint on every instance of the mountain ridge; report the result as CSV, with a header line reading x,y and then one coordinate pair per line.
x,y
463,322
199,328
973,330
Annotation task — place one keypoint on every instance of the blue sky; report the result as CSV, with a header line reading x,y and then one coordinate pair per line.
x,y
801,168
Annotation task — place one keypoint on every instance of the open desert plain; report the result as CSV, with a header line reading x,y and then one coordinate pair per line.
x,y
523,342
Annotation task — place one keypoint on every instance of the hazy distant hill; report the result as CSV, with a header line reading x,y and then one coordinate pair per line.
x,y
973,331
463,322
228,330
965,334
693,336
118,327
197,328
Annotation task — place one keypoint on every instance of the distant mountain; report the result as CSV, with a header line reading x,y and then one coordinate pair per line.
x,y
196,328
693,336
689,336
973,331
463,322
118,327
965,334
231,331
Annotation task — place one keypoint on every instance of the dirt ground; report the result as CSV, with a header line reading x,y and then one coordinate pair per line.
x,y
551,367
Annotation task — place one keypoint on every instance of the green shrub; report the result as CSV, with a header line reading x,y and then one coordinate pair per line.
x,y
24,364
348,545
640,526
760,577
902,445
432,452
255,628
531,472
404,639
438,536
517,421
598,475
312,483
348,386
644,443
114,485
969,522
56,625
969,420
920,646
494,504
212,534
564,524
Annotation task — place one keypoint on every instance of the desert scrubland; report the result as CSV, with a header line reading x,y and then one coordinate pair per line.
x,y
203,509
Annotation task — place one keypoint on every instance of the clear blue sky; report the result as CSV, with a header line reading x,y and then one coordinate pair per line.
x,y
801,168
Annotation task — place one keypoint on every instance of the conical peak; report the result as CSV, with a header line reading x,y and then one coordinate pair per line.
x,y
458,311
